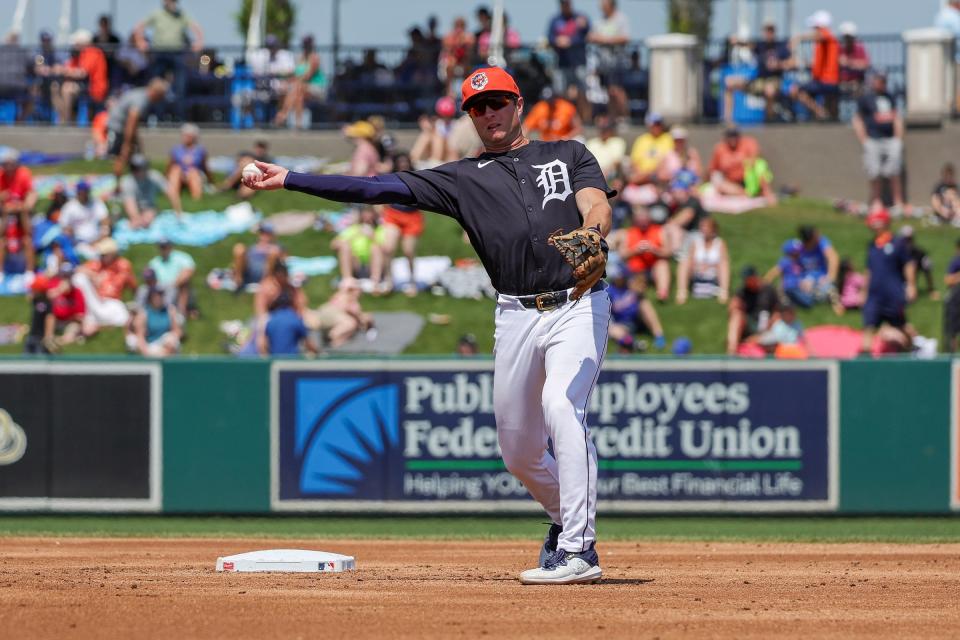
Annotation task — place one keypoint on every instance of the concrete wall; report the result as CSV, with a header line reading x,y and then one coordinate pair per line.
x,y
822,160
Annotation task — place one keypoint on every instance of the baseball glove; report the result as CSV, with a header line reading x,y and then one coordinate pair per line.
x,y
584,249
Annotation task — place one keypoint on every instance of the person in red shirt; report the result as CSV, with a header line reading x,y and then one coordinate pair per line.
x,y
646,252
17,199
67,309
87,63
825,71
854,60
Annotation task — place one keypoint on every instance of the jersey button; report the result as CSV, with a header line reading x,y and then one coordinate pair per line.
x,y
516,159
523,181
529,208
536,237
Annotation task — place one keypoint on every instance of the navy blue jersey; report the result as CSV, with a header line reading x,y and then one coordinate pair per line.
x,y
886,264
509,203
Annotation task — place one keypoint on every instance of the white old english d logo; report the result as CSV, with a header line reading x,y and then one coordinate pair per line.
x,y
554,180
13,440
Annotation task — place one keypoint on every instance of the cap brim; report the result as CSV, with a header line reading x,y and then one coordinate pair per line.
x,y
487,92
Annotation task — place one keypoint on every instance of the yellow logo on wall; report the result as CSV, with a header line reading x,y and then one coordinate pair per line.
x,y
13,440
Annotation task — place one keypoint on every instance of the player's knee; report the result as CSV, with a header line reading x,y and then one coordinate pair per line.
x,y
557,408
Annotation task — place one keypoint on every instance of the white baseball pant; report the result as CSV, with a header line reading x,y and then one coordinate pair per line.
x,y
545,367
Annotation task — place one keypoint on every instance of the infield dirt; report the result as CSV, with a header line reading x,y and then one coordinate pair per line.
x,y
163,588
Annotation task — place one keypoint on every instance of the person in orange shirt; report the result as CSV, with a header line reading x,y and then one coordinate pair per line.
x,y
88,63
553,118
825,72
729,163
646,252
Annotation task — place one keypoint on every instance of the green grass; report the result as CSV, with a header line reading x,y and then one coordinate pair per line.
x,y
744,528
754,238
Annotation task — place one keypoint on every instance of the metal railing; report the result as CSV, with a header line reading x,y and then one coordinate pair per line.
x,y
218,87
887,54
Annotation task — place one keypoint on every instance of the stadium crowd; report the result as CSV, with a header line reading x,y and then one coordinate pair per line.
x,y
667,246
596,65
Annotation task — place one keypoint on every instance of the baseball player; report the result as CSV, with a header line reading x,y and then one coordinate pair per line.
x,y
536,214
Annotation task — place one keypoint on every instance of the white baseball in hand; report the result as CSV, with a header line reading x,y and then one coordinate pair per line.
x,y
251,172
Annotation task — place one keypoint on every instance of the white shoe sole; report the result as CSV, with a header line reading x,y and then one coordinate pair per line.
x,y
593,575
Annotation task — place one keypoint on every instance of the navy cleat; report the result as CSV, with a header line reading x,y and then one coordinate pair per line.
x,y
550,542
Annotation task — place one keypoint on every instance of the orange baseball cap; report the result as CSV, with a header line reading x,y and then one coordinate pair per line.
x,y
487,80
878,218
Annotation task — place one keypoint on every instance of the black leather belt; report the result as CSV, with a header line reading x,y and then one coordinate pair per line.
x,y
551,299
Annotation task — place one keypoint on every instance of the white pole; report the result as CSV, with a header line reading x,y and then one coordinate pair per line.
x,y
18,14
253,28
497,36
63,26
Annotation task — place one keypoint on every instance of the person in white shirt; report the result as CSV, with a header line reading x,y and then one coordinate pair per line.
x,y
85,219
609,149
273,62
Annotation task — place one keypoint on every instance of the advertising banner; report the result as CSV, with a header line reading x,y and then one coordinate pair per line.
x,y
79,437
686,435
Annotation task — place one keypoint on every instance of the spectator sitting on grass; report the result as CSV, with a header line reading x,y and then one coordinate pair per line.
x,y
150,282
85,219
251,264
233,181
139,191
685,212
684,158
365,161
786,331
946,196
67,310
285,333
607,147
736,168
649,150
403,226
644,248
431,148
804,288
187,166
851,284
341,317
630,310
276,291
705,270
103,282
467,346
17,194
752,310
358,249
174,269
156,328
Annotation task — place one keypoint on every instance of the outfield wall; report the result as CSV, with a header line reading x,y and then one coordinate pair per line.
x,y
217,435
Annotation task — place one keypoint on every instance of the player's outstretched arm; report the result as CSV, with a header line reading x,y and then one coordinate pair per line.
x,y
385,189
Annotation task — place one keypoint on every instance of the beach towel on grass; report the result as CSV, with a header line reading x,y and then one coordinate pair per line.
x,y
14,285
199,229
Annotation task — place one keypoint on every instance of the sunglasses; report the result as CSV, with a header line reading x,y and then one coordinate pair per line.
x,y
479,107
